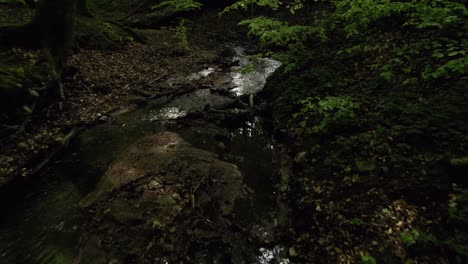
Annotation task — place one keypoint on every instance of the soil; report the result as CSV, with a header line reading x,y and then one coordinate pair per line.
x,y
99,83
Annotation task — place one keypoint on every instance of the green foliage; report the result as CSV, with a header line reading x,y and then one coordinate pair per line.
x,y
97,34
368,259
435,38
179,5
458,211
246,68
292,5
15,2
246,4
317,116
409,238
276,33
181,34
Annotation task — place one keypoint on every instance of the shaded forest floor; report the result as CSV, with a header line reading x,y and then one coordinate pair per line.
x,y
389,185
105,76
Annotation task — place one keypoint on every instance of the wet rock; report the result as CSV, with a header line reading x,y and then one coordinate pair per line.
x,y
157,190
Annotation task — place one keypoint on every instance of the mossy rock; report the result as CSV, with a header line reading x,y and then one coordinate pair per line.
x,y
15,14
157,18
92,33
144,194
17,77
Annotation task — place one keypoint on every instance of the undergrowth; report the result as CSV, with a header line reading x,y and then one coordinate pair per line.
x,y
378,89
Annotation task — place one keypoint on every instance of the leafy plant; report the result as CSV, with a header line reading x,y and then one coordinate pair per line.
x,y
181,34
248,68
316,115
246,4
179,5
20,2
368,259
409,238
434,46
276,33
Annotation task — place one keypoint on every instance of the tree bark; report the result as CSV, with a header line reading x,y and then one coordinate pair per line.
x,y
31,3
82,8
53,24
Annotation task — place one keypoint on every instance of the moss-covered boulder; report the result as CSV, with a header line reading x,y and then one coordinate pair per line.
x,y
91,33
163,13
156,198
20,75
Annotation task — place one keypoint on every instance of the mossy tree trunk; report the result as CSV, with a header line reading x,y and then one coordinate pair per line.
x,y
53,24
53,27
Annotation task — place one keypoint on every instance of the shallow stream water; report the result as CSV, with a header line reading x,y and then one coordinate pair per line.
x,y
40,220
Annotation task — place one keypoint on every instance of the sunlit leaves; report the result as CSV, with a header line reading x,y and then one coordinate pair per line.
x,y
272,32
179,5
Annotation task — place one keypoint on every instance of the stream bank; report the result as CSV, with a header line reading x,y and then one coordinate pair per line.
x,y
211,118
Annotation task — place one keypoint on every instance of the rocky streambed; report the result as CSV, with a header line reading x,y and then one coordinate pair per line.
x,y
189,177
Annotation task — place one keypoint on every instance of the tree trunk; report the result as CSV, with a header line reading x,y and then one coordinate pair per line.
x,y
53,24
31,3
82,8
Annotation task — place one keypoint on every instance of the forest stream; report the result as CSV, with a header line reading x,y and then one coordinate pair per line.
x,y
44,220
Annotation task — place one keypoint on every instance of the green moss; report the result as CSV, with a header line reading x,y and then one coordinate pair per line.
x,y
96,34
109,8
15,15
17,75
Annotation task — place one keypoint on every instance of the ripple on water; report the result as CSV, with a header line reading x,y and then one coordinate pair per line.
x,y
252,81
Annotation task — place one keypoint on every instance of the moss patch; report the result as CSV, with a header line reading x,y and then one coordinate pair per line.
x,y
96,34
